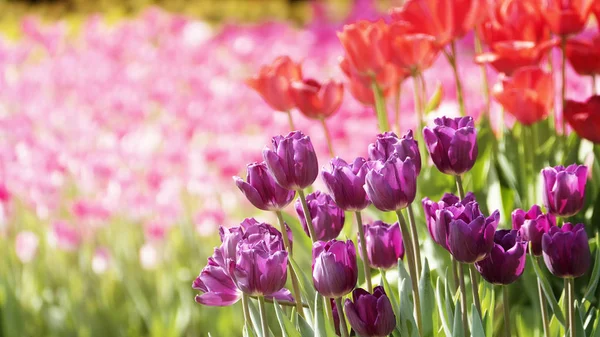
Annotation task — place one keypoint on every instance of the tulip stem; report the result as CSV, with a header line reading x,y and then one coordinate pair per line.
x,y
459,187
454,273
410,259
291,121
247,319
505,304
484,75
263,316
293,276
463,298
543,308
475,288
307,216
328,309
284,303
340,310
327,137
380,109
563,90
593,84
571,282
459,90
363,250
415,237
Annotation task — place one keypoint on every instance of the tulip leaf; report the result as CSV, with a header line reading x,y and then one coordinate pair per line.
x,y
427,300
593,283
476,324
392,296
408,326
287,327
445,315
457,326
596,331
323,327
489,315
306,287
403,275
556,309
435,99
255,317
303,326
579,330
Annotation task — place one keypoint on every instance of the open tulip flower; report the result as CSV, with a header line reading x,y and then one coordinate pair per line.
x,y
412,51
506,262
532,225
273,82
262,191
388,143
437,225
366,46
316,100
565,17
584,118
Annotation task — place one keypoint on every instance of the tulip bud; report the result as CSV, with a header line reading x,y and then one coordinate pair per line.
x,y
334,267
564,189
391,185
452,144
273,82
388,143
327,218
370,315
292,161
566,250
532,225
262,191
384,244
506,262
345,183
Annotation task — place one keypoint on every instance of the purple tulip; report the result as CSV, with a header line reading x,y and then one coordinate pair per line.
x,y
261,190
532,225
437,221
370,315
391,185
384,244
334,267
217,286
345,183
506,262
327,218
566,250
564,189
292,161
452,144
388,143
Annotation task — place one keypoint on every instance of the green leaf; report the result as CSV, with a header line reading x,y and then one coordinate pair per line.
x,y
392,296
435,99
593,283
255,317
287,327
476,325
427,300
457,326
445,315
548,292
596,332
306,287
319,317
580,331
408,326
304,328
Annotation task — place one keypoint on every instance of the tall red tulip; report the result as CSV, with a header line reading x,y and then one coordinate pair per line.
x,y
360,86
527,94
584,118
411,51
584,54
565,17
508,56
273,82
316,100
366,46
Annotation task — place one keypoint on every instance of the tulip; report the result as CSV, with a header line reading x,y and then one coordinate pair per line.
x,y
584,55
514,20
327,218
411,51
506,262
532,225
564,189
509,56
366,46
566,250
565,17
261,190
293,161
345,183
452,144
316,100
391,185
436,223
388,143
528,94
384,244
273,82
387,79
334,267
370,315
470,233
584,118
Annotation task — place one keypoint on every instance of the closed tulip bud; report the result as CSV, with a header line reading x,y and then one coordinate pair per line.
x,y
452,144
262,190
370,315
327,218
391,185
316,100
564,189
437,220
383,244
584,118
273,82
345,183
532,225
334,267
566,250
506,262
388,143
292,161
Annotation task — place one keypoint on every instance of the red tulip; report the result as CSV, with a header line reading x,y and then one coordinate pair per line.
x,y
527,94
413,52
584,55
565,17
514,20
360,86
316,100
366,45
508,56
273,82
584,118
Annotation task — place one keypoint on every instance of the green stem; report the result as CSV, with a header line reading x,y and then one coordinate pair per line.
x,y
506,303
567,305
463,298
293,277
283,303
263,316
291,121
382,275
397,108
475,288
572,306
380,108
454,273
340,310
327,137
459,187
563,90
247,319
307,216
543,309
410,259
415,237
484,75
363,249
459,90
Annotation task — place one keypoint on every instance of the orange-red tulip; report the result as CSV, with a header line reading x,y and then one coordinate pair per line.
x,y
584,55
584,118
273,82
527,94
514,20
508,56
411,51
360,86
565,17
366,46
316,100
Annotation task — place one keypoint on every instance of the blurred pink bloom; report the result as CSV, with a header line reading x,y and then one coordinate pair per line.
x,y
64,236
149,256
101,260
26,246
